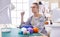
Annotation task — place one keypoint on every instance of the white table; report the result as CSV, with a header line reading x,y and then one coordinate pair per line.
x,y
55,30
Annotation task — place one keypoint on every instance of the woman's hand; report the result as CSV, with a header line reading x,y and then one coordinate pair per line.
x,y
46,22
22,14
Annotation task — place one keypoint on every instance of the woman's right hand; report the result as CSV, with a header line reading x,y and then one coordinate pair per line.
x,y
22,14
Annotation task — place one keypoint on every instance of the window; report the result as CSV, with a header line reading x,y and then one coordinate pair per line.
x,y
19,6
54,5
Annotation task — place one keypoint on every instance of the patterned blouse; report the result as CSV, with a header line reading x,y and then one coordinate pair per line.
x,y
36,22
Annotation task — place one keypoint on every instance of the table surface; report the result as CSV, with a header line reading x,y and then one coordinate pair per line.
x,y
15,33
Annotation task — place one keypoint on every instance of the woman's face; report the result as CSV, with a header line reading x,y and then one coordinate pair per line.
x,y
35,8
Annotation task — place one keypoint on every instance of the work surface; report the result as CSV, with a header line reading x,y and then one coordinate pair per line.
x,y
15,33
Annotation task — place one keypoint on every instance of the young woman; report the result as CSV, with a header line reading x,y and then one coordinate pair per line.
x,y
36,20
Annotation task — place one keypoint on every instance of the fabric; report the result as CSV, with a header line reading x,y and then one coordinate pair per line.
x,y
4,12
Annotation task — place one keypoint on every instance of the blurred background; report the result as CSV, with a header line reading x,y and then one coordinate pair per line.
x,y
24,5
